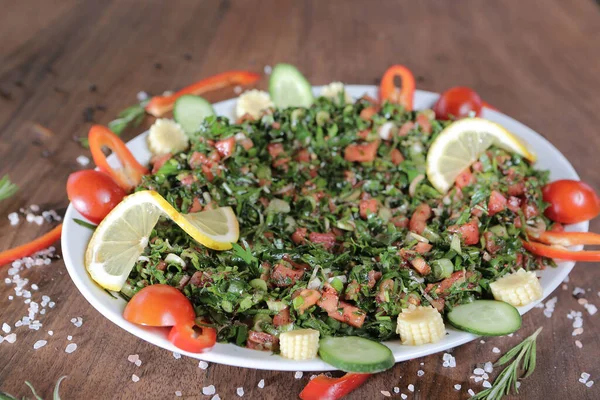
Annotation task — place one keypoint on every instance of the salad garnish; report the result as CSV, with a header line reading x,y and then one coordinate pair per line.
x,y
7,188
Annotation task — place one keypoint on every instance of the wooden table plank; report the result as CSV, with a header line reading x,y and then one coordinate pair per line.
x,y
536,60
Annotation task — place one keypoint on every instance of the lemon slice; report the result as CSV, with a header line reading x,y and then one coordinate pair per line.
x,y
460,145
124,233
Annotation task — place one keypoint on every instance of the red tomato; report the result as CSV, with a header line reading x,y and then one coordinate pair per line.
x,y
283,275
497,203
457,102
570,201
159,305
367,207
190,337
361,152
93,193
226,147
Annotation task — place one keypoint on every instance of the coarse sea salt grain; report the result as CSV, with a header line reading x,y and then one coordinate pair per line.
x,y
132,358
496,350
39,343
403,396
138,363
486,384
420,372
261,384
71,347
135,378
202,365
298,375
577,291
215,397
69,337
268,69
386,393
591,309
589,383
396,389
578,344
13,218
457,386
11,338
176,355
549,307
208,390
478,371
240,391
584,377
488,367
471,392
178,393
5,328
411,387
78,321
82,160
449,361
50,333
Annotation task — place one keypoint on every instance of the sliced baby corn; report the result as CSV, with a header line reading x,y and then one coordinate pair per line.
x,y
332,91
420,325
253,102
166,136
301,344
518,288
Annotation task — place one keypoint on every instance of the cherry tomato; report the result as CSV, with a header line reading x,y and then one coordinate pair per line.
x,y
93,193
159,305
190,337
457,102
570,201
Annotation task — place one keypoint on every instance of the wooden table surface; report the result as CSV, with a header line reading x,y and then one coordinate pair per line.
x,y
64,63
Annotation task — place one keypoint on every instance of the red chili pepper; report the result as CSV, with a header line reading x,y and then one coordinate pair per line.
x,y
325,388
561,253
160,105
388,90
130,175
565,238
32,247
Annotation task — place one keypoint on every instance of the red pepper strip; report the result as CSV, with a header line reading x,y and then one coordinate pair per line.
x,y
561,253
160,105
388,90
566,238
130,175
488,105
325,388
32,247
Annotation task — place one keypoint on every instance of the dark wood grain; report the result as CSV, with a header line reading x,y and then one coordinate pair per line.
x,y
537,61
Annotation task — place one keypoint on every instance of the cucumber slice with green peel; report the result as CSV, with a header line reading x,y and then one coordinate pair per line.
x,y
485,317
289,88
189,111
356,354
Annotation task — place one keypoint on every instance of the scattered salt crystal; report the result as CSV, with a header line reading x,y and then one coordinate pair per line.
x,y
578,344
298,375
486,384
478,371
582,301
76,321
202,365
237,89
11,338
34,287
51,304
5,328
578,323
386,393
577,331
261,384
7,281
39,220
496,350
518,384
510,335
449,361
71,347
457,386
69,337
420,372
141,96
411,387
240,391
132,358
584,377
471,392
178,393
215,397
565,286
83,160
29,217
13,218
208,390
135,378
577,291
477,379
268,69
138,363
589,384
10,297
482,341
549,307
50,333
34,208
1,339
177,356
396,389
591,309
39,343
403,396
488,367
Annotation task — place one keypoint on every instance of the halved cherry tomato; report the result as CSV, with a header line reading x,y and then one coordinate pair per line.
x,y
93,193
193,338
325,388
159,305
457,102
570,201
388,90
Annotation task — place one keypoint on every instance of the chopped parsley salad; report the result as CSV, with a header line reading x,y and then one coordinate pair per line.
x,y
324,226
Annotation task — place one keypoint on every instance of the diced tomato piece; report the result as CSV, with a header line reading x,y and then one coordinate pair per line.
x,y
214,157
226,147
557,227
372,278
529,210
497,203
516,189
421,266
400,221
385,286
207,173
158,161
299,236
303,156
261,341
275,149
477,166
490,243
201,279
282,317
368,112
514,204
438,304
187,179
456,278
247,143
329,298
326,239
197,160
283,275
424,123
350,314
196,206
418,221
361,152
367,207
281,162
310,297
352,290
405,128
465,178
423,247
469,232
517,222
396,157
476,212
519,260
364,134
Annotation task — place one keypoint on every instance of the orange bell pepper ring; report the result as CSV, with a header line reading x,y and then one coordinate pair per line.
x,y
390,92
325,388
160,105
32,247
130,175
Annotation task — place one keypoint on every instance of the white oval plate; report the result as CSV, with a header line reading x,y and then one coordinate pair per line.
x,y
75,238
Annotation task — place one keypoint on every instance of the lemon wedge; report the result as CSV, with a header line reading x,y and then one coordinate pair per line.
x,y
460,145
124,233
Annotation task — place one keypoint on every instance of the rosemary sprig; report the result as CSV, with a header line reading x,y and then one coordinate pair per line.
x,y
55,396
7,188
85,224
506,381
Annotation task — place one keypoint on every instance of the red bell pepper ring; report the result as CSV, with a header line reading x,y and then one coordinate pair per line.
x,y
561,253
130,175
388,90
565,238
488,105
325,388
32,247
193,338
160,105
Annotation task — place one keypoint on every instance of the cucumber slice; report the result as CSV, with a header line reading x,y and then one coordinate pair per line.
x,y
190,111
289,88
486,317
355,354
